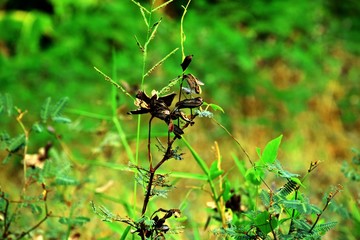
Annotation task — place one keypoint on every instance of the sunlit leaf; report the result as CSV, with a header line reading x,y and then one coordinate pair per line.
x,y
270,151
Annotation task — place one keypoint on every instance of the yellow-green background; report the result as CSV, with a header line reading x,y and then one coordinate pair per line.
x,y
275,67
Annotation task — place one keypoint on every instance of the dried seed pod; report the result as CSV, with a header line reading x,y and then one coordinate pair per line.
x,y
186,62
190,103
193,82
178,131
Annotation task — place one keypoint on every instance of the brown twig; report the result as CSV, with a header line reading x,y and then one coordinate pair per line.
x,y
328,200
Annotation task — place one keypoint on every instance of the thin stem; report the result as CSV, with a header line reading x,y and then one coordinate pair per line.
x,y
328,200
36,225
182,33
272,229
291,229
148,192
149,145
221,199
152,172
26,133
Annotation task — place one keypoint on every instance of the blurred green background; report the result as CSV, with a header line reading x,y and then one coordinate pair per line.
x,y
276,67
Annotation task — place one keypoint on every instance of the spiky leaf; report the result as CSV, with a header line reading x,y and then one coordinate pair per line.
x,y
59,106
46,110
16,143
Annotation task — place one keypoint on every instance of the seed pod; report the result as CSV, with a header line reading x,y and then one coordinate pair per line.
x,y
193,82
186,62
190,103
178,131
176,114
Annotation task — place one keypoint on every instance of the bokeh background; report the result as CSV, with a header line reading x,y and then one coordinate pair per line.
x,y
275,67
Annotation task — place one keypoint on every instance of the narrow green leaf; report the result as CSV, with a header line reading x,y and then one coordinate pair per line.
x,y
59,106
153,33
140,6
270,152
8,104
65,180
240,165
197,158
6,159
144,17
45,110
214,170
37,127
125,233
187,175
60,119
160,62
162,5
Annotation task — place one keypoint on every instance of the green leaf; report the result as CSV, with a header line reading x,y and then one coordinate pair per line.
x,y
270,152
198,159
263,223
125,232
37,127
214,170
16,143
65,180
59,106
6,159
241,165
45,110
226,190
265,197
60,119
7,103
254,176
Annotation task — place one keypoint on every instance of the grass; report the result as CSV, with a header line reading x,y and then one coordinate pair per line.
x,y
101,168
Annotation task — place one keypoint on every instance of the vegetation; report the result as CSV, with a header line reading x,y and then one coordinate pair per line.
x,y
184,164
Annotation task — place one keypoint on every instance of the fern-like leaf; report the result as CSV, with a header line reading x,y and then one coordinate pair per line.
x,y
265,197
45,110
59,106
60,119
323,228
287,189
6,104
279,171
16,143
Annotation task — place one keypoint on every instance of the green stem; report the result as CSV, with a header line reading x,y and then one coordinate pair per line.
x,y
182,34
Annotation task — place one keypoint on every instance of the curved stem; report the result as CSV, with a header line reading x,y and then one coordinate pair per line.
x,y
149,144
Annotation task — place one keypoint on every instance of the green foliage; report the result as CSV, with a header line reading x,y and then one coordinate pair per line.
x,y
54,112
351,171
43,172
275,53
285,213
